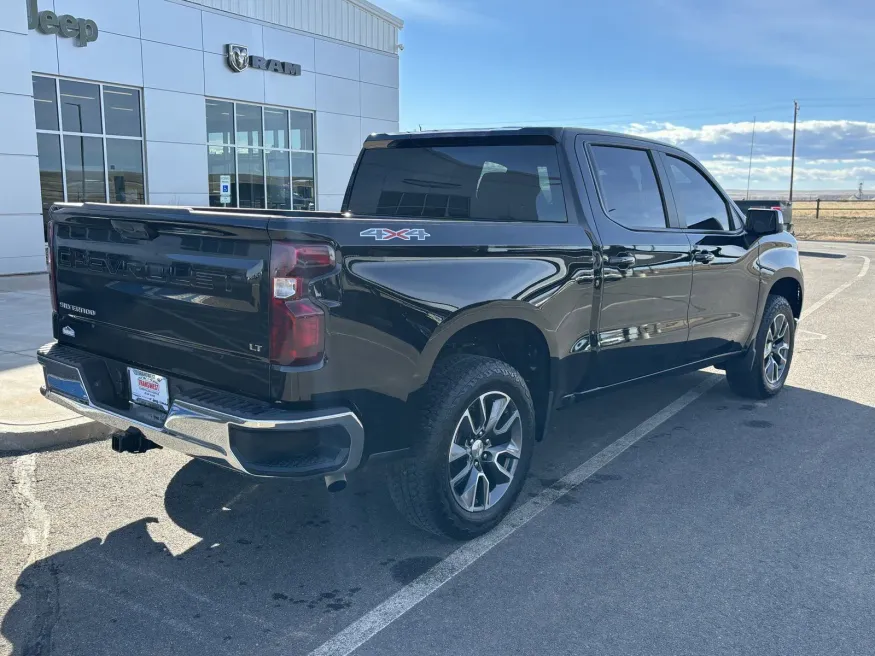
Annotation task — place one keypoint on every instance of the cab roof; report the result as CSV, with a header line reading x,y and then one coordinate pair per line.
x,y
551,133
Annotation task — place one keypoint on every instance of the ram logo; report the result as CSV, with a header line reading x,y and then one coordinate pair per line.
x,y
385,234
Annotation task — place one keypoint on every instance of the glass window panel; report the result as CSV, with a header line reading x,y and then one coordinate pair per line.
x,y
303,189
124,159
220,161
83,161
80,107
302,131
51,180
388,203
628,186
45,103
279,183
276,128
249,125
122,109
251,177
698,203
496,182
220,122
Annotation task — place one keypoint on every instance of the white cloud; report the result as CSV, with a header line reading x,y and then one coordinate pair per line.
x,y
829,154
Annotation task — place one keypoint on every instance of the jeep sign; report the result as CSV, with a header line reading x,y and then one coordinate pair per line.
x,y
83,30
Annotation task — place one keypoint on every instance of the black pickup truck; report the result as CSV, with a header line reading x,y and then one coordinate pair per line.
x,y
472,283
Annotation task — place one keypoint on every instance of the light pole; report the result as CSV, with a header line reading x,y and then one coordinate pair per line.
x,y
750,161
793,153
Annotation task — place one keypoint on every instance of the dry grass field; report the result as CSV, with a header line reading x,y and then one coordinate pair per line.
x,y
838,221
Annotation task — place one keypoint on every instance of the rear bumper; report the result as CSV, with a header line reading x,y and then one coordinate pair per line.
x,y
237,432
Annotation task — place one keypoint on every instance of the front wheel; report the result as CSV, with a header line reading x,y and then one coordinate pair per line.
x,y
472,451
772,353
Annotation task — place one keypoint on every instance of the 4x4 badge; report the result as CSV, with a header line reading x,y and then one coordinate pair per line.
x,y
385,234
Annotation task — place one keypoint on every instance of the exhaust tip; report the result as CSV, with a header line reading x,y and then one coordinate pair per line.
x,y
335,482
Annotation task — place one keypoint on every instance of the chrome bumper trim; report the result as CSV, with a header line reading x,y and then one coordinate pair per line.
x,y
198,431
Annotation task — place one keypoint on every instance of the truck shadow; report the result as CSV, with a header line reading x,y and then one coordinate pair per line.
x,y
277,567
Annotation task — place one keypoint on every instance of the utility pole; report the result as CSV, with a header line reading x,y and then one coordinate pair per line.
x,y
793,154
750,161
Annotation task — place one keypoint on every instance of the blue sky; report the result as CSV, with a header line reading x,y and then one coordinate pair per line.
x,y
692,72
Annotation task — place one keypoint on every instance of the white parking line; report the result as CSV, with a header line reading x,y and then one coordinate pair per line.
x,y
407,597
838,290
374,621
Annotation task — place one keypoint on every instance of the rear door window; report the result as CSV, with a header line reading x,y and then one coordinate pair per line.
x,y
515,182
628,187
700,205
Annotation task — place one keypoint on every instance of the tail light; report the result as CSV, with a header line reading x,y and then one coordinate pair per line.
x,y
297,325
50,263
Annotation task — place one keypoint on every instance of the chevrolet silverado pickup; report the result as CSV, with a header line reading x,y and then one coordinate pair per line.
x,y
472,283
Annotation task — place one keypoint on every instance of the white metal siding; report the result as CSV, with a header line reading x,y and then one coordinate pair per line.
x,y
353,21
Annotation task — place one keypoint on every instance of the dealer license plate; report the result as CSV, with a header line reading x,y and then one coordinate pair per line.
x,y
149,389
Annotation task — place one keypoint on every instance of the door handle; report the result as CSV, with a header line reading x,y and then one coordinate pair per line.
x,y
622,261
705,257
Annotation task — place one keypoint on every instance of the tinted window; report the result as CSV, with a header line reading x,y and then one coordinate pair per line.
x,y
302,130
251,177
627,182
698,203
122,108
124,160
220,122
279,183
220,161
489,182
83,158
303,196
80,107
51,180
45,103
276,128
248,125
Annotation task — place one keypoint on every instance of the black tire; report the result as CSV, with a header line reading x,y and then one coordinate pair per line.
x,y
420,485
747,377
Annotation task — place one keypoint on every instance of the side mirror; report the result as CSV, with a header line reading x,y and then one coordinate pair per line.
x,y
761,221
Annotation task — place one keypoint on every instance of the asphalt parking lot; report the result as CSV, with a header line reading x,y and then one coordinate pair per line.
x,y
730,527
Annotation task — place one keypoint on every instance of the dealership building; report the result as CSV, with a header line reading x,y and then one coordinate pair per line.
x,y
238,103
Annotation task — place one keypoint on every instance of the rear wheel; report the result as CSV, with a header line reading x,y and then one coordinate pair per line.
x,y
473,450
764,375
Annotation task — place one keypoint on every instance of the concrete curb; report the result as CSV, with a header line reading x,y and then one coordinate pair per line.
x,y
836,241
36,437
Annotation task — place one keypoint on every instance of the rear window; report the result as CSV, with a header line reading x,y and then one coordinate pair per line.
x,y
483,183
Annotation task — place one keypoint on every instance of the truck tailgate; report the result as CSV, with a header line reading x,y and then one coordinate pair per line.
x,y
182,291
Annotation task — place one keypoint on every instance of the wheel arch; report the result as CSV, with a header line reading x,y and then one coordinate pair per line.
x,y
506,333
790,287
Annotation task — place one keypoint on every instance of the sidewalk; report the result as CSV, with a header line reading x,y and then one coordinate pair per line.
x,y
27,420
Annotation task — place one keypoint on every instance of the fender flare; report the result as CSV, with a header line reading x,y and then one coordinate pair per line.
x,y
767,281
496,310
769,278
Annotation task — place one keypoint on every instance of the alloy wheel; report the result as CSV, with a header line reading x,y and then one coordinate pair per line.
x,y
776,353
485,451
